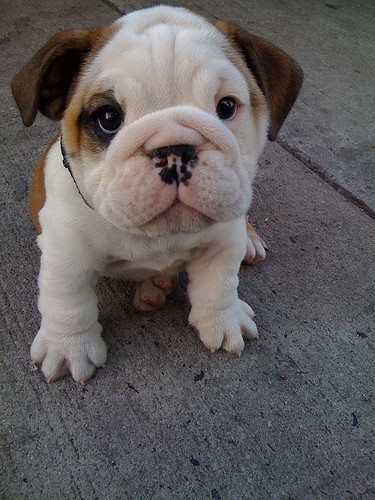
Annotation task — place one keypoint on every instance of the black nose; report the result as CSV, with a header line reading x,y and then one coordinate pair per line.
x,y
175,162
184,151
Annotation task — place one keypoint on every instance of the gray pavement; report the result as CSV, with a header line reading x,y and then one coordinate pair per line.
x,y
294,416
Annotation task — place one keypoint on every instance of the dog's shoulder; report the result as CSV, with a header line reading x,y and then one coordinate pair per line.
x,y
38,188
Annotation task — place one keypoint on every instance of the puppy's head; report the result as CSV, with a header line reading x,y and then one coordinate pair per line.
x,y
164,114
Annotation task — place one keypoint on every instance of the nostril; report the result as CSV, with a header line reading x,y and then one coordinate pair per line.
x,y
188,154
160,152
185,151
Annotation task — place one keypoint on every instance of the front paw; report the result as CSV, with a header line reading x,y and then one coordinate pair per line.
x,y
226,328
80,354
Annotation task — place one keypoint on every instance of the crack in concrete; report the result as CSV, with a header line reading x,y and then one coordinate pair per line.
x,y
114,7
328,178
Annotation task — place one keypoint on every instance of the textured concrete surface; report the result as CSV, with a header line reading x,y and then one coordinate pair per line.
x,y
294,416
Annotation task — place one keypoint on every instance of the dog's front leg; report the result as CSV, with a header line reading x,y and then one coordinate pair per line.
x,y
221,318
69,336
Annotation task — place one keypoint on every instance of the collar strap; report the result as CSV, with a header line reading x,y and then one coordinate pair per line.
x,y
69,169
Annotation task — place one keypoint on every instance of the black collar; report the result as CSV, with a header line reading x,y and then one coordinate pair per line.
x,y
69,169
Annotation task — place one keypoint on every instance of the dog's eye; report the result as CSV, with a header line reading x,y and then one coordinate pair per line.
x,y
108,119
226,108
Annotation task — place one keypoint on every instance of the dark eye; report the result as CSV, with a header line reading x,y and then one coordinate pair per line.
x,y
226,108
108,120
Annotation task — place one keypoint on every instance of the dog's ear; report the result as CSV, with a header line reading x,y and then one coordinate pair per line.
x,y
276,73
44,82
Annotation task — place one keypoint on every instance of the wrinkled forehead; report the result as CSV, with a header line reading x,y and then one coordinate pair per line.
x,y
166,57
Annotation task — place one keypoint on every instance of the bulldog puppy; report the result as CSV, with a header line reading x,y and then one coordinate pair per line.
x,y
163,117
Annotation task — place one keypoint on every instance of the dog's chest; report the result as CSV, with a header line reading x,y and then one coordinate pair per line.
x,y
140,262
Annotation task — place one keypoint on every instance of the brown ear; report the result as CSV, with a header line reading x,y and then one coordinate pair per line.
x,y
277,74
43,83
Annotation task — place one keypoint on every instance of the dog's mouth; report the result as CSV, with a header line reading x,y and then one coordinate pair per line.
x,y
179,209
177,218
185,192
179,206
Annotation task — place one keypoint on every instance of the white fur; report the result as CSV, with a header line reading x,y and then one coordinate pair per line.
x,y
169,88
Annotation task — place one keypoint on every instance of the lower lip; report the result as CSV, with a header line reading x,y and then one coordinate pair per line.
x,y
179,206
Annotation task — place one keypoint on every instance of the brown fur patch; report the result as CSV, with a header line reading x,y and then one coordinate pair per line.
x,y
45,82
72,127
38,188
257,99
89,139
278,76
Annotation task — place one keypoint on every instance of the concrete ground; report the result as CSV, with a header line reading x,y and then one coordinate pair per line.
x,y
294,416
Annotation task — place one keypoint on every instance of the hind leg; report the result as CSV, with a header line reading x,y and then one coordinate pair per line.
x,y
255,247
151,293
